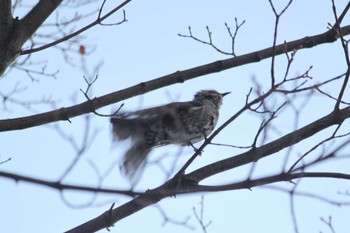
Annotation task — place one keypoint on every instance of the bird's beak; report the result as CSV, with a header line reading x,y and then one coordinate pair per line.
x,y
223,94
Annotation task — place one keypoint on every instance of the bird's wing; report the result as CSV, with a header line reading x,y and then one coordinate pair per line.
x,y
189,108
149,112
132,124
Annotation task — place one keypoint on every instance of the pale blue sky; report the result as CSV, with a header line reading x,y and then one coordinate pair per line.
x,y
147,47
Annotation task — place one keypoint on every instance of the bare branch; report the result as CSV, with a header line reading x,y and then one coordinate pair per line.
x,y
247,184
314,196
292,168
328,223
344,44
99,20
174,187
60,186
167,219
277,18
272,147
35,18
200,216
234,35
22,30
177,77
292,208
210,38
5,18
5,161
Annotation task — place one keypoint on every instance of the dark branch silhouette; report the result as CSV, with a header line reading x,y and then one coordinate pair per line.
x,y
65,113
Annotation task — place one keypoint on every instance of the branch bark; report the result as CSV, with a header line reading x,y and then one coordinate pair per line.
x,y
272,147
189,183
35,18
59,186
19,31
177,77
110,217
5,18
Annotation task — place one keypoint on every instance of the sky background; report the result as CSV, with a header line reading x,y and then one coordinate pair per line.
x,y
144,48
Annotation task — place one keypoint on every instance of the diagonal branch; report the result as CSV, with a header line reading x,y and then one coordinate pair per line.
x,y
272,147
35,18
177,77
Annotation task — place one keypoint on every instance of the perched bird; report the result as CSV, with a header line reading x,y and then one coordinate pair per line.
x,y
182,123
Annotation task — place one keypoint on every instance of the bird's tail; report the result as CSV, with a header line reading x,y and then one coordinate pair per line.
x,y
134,162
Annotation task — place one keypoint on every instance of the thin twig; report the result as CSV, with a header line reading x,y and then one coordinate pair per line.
x,y
96,22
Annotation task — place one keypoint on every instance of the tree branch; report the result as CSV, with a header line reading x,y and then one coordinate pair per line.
x,y
345,49
247,184
60,186
189,183
96,22
5,18
21,30
172,188
35,18
177,77
223,165
272,147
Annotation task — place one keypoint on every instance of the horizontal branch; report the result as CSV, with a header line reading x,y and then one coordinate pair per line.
x,y
173,188
167,190
177,77
60,186
247,184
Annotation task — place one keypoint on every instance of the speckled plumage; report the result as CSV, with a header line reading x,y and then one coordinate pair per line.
x,y
180,123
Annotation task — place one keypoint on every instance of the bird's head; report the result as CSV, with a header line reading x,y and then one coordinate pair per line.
x,y
210,95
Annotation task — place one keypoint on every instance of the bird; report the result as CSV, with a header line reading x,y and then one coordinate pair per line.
x,y
180,123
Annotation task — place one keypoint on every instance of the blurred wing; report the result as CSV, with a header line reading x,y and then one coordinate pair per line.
x,y
124,128
148,128
145,113
190,108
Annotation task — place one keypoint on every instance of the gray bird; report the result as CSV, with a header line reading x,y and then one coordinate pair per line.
x,y
182,123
